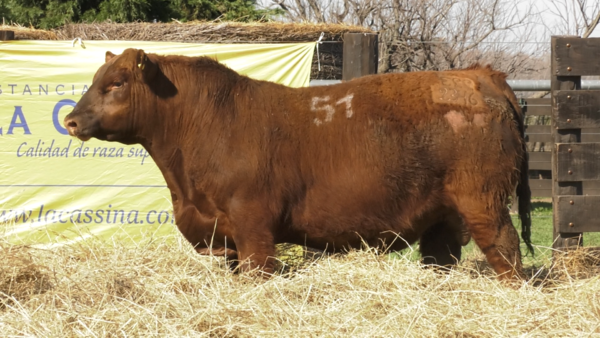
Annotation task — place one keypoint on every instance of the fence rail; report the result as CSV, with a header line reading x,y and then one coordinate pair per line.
x,y
540,137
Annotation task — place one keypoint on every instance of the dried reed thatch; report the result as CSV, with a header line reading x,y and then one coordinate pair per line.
x,y
330,53
207,32
164,288
25,33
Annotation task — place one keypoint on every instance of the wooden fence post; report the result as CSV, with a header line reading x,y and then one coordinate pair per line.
x,y
361,52
562,82
7,35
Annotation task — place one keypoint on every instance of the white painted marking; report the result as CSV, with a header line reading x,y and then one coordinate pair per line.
x,y
348,101
327,108
322,104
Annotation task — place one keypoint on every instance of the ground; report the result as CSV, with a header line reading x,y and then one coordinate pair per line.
x,y
161,287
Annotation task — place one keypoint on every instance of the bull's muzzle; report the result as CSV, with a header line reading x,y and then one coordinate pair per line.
x,y
73,128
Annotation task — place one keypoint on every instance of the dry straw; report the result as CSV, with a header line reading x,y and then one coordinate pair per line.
x,y
197,31
163,288
213,32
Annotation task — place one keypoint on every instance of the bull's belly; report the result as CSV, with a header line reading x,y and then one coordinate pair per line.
x,y
384,240
336,233
356,228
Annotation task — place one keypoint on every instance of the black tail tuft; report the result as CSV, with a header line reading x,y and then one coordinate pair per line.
x,y
523,190
524,196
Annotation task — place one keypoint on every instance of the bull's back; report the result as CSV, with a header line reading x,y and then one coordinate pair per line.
x,y
383,126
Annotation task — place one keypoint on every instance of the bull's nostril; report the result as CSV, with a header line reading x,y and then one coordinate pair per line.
x,y
72,124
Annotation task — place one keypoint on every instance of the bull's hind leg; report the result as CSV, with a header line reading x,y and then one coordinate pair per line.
x,y
441,243
492,230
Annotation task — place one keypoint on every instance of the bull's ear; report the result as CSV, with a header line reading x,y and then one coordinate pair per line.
x,y
108,56
145,65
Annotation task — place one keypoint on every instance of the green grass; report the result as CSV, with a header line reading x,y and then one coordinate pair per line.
x,y
541,234
541,237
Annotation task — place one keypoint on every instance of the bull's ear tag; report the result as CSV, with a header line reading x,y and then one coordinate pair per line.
x,y
146,66
142,63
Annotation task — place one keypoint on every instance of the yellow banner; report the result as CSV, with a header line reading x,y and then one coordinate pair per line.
x,y
57,189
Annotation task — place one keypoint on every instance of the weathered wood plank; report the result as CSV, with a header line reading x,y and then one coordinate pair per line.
x,y
578,214
540,165
538,107
538,133
540,161
545,138
537,129
594,185
577,109
540,184
541,193
546,165
543,129
540,156
590,137
578,162
574,56
360,55
548,141
543,188
560,82
538,102
7,35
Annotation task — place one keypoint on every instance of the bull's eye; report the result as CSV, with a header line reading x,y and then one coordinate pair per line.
x,y
117,84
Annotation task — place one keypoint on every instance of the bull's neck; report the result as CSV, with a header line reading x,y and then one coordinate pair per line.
x,y
204,99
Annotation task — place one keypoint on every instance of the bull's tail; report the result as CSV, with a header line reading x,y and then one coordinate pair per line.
x,y
523,190
524,196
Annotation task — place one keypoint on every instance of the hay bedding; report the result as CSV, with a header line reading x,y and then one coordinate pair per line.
x,y
330,54
166,289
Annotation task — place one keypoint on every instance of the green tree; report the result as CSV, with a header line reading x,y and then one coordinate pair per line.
x,y
41,13
53,13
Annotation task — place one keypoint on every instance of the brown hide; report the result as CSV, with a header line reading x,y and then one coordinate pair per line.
x,y
384,160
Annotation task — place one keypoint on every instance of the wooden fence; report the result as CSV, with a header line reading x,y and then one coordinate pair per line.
x,y
540,144
576,151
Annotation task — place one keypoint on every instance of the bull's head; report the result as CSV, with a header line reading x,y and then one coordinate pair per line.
x,y
106,110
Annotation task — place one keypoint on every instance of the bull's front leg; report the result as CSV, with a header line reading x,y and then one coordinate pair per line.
x,y
207,235
253,228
